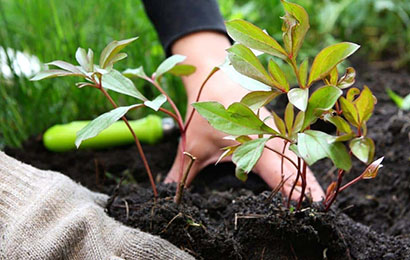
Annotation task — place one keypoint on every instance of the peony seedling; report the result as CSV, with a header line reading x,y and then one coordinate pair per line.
x,y
334,101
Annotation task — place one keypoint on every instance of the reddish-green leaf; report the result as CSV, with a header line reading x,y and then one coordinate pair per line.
x,y
168,65
298,31
237,119
349,111
279,123
339,122
247,155
253,37
329,57
246,63
257,99
303,69
297,125
182,70
65,66
321,100
278,75
289,117
111,50
45,74
333,76
100,123
352,93
117,82
364,104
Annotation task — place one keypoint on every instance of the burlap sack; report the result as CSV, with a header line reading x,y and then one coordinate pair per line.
x,y
45,215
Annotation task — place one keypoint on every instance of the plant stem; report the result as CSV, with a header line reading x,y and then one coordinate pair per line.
x,y
334,195
302,193
181,184
137,142
296,181
188,121
182,129
283,155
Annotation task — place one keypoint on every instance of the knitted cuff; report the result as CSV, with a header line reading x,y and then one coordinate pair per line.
x,y
45,215
177,18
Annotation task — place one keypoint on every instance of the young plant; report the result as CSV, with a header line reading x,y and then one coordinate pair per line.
x,y
103,77
402,102
348,110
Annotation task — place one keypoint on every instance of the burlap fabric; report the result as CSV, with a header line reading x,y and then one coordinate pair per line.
x,y
45,215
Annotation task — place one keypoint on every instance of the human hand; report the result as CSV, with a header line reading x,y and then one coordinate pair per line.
x,y
205,50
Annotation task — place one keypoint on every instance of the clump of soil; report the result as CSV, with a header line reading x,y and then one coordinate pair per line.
x,y
222,218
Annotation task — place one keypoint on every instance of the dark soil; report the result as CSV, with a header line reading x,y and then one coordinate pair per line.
x,y
222,218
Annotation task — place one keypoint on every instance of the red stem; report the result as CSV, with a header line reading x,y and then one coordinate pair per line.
x,y
188,121
302,193
283,155
137,142
332,198
296,181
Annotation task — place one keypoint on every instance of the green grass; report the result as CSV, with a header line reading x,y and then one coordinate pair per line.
x,y
53,29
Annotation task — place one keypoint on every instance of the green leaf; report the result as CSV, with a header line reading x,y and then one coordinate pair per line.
x,y
298,32
244,81
247,155
241,174
82,59
349,111
111,50
117,57
182,70
333,76
299,98
303,69
156,103
90,57
117,82
315,145
297,125
322,99
346,137
278,75
238,119
329,57
348,78
362,148
138,72
339,122
279,123
45,74
253,37
246,63
364,105
65,66
289,117
352,93
100,123
257,99
168,65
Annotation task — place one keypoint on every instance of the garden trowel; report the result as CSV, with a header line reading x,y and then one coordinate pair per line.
x,y
150,130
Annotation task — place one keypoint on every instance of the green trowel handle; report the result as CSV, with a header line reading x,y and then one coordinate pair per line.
x,y
60,138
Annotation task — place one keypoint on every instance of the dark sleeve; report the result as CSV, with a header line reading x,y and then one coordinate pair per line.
x,y
175,18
